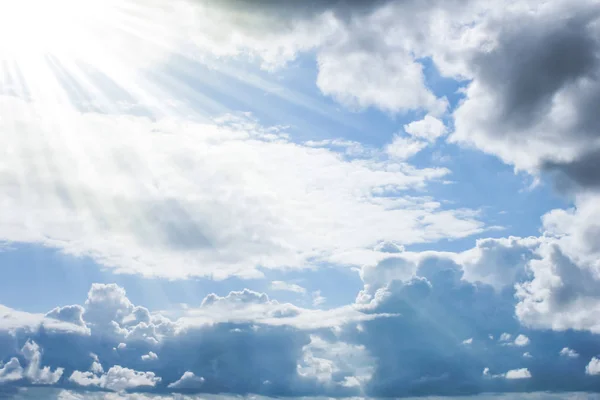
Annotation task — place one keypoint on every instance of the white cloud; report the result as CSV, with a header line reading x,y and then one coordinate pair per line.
x,y
522,340
11,320
429,128
188,381
505,337
11,371
403,148
468,341
280,203
498,262
567,352
150,356
289,287
527,355
336,362
563,292
391,80
593,367
521,373
250,306
34,371
116,378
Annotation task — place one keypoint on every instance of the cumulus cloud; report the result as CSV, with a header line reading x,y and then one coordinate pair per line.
x,y
563,293
11,371
188,381
116,378
522,340
150,356
529,102
429,128
34,372
567,352
593,368
521,373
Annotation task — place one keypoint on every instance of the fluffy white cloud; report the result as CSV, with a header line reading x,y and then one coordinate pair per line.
x,y
403,148
564,291
567,352
336,362
34,372
116,378
188,381
521,373
11,371
593,367
522,340
391,80
150,356
11,319
280,203
499,262
429,128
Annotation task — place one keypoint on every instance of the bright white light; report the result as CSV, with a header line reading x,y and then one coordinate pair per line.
x,y
34,27
104,32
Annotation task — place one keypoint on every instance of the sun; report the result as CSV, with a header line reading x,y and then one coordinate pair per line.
x,y
38,27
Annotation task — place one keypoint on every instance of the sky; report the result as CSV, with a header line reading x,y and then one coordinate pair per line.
x,y
205,199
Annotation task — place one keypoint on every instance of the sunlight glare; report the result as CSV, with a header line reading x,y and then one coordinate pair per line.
x,y
37,27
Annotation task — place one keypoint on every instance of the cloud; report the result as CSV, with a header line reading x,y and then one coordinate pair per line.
x,y
567,352
521,373
522,340
72,314
593,368
188,381
285,286
248,306
563,291
404,148
34,372
527,102
150,356
281,203
11,371
429,128
116,378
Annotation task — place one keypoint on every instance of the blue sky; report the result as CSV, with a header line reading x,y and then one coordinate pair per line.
x,y
280,199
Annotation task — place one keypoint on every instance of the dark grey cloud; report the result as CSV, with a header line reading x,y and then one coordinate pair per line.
x,y
529,66
294,8
542,86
